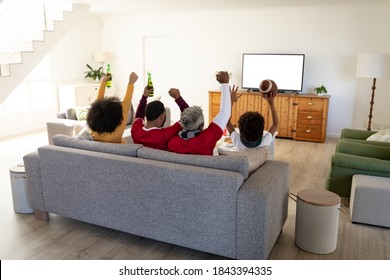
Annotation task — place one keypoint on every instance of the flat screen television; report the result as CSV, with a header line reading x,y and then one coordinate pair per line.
x,y
285,69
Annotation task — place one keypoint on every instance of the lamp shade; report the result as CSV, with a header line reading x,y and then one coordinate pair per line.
x,y
373,65
101,56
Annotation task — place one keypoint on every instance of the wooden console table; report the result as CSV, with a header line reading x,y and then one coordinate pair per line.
x,y
301,116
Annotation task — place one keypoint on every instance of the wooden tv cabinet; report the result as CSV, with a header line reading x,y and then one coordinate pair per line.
x,y
301,116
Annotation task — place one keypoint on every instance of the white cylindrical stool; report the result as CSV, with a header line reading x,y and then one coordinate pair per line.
x,y
317,221
19,189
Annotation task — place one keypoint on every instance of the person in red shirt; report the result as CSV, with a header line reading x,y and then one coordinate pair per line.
x,y
193,139
151,133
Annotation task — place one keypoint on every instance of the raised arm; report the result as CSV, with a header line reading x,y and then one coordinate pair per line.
x,y
126,103
102,88
175,94
223,115
140,113
233,97
275,120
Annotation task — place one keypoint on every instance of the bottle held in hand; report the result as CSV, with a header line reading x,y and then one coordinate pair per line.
x,y
109,77
150,84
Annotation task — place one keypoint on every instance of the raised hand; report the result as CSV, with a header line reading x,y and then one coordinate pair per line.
x,y
133,78
269,97
223,77
105,78
233,94
174,93
147,91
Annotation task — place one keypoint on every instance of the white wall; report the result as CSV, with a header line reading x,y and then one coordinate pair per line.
x,y
195,45
69,57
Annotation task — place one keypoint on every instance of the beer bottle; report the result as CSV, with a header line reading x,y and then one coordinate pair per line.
x,y
150,84
109,77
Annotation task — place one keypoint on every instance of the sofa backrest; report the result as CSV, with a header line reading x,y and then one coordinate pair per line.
x,y
231,163
110,148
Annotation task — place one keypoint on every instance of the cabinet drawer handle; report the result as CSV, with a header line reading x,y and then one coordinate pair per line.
x,y
310,103
308,130
309,117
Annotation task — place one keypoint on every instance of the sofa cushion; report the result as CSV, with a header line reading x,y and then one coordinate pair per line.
x,y
109,148
382,136
255,156
232,163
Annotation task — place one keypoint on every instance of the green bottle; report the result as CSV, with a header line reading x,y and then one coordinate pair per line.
x,y
150,84
109,77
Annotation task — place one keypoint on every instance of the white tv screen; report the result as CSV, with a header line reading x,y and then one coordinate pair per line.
x,y
285,69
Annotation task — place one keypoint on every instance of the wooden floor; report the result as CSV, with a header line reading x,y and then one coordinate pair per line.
x,y
24,237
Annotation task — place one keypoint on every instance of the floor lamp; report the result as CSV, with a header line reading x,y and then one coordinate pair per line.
x,y
373,65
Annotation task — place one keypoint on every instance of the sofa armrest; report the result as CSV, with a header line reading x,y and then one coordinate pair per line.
x,y
64,127
363,149
344,166
350,133
34,183
262,204
361,163
61,115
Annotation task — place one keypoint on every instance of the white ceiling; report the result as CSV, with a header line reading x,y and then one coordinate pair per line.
x,y
165,6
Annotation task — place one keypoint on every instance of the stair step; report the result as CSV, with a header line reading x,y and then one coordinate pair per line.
x,y
5,70
8,58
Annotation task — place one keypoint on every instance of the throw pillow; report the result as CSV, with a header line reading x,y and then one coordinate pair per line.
x,y
383,136
256,156
70,114
81,113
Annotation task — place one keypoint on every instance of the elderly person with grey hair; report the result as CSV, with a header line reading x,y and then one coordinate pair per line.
x,y
193,139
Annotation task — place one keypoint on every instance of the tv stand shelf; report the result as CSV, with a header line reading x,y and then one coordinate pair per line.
x,y
301,116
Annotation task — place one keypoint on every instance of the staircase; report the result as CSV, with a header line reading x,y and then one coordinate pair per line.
x,y
29,29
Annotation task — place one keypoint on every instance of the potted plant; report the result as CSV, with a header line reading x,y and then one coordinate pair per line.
x,y
94,74
320,90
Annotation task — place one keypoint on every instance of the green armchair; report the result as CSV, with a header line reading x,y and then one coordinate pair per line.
x,y
355,155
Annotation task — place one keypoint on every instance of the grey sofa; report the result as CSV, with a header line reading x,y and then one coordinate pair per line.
x,y
207,203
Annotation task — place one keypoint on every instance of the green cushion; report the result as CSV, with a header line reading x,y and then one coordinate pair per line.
x,y
364,149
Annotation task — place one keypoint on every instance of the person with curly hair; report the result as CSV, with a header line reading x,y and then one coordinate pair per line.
x,y
251,126
193,139
151,133
106,119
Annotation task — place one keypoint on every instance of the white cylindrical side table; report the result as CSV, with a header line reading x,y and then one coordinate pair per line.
x,y
19,189
317,221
